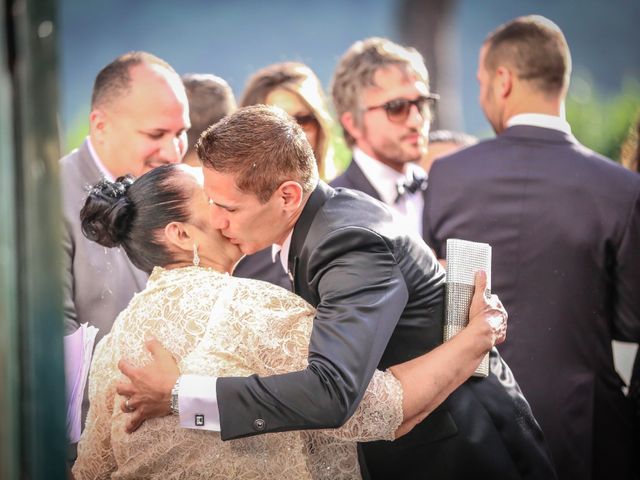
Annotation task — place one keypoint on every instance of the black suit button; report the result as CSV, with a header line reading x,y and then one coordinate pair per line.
x,y
259,424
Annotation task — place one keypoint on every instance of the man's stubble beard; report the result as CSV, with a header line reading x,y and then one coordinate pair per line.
x,y
392,154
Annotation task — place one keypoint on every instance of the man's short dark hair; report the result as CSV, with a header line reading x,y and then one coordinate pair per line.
x,y
262,147
210,100
114,80
535,48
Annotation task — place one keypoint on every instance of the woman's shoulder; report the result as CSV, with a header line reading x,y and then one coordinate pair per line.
x,y
266,293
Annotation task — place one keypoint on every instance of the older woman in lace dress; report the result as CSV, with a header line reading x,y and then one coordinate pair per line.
x,y
214,324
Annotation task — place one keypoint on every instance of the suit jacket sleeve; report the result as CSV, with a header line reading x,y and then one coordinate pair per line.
x,y
70,316
361,295
627,279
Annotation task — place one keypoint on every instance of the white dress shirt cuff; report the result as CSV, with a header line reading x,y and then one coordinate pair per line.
x,y
198,403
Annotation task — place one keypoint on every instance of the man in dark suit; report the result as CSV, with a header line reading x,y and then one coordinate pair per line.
x,y
564,224
379,299
381,95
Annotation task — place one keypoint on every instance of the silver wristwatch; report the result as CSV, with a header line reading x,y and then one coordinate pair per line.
x,y
174,398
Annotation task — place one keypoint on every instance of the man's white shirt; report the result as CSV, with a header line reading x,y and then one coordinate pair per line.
x,y
540,120
408,209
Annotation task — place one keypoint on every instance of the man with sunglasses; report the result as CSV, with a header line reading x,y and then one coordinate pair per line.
x,y
381,95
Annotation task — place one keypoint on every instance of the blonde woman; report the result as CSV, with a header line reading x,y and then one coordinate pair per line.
x,y
294,87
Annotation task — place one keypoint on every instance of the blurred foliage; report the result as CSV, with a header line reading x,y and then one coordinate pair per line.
x,y
76,132
602,122
342,152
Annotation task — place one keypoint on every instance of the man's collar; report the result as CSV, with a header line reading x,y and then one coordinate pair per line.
x,y
284,251
384,178
96,159
540,120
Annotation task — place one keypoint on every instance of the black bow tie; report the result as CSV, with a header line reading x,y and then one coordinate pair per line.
x,y
408,187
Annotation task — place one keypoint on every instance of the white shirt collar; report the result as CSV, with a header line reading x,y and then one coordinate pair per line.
x,y
384,178
284,251
540,120
105,173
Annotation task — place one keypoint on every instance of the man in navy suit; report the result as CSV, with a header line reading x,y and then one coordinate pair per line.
x,y
381,95
564,224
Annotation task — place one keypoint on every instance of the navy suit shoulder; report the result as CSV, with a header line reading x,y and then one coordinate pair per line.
x,y
561,220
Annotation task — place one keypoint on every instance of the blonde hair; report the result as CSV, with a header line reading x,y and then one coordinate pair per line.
x,y
630,153
300,80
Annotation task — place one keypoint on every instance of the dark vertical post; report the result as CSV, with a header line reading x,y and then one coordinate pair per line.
x,y
37,243
428,26
9,361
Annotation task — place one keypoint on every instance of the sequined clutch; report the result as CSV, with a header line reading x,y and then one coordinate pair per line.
x,y
464,259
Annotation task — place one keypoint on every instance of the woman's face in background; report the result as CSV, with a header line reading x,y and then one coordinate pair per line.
x,y
292,104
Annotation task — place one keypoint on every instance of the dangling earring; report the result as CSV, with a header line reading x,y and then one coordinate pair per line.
x,y
196,257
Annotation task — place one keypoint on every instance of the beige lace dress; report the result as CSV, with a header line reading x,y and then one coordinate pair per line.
x,y
219,325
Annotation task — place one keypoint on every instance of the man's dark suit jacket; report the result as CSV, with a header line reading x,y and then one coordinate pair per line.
x,y
379,299
564,224
260,266
354,178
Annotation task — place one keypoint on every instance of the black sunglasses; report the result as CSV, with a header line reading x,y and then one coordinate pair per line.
x,y
398,109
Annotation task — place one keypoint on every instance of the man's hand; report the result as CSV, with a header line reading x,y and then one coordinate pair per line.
x,y
487,312
148,394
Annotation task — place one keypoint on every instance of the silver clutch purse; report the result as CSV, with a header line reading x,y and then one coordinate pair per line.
x,y
464,259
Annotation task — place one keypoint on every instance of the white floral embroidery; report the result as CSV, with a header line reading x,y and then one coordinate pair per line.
x,y
264,330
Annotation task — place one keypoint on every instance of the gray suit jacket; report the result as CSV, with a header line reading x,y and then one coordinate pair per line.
x,y
564,224
98,281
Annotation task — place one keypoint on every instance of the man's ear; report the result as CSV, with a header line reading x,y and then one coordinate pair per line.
x,y
505,81
350,124
177,234
97,123
291,194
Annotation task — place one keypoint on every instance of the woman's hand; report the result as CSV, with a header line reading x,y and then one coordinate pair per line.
x,y
487,312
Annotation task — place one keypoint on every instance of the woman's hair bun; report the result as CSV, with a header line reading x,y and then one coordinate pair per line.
x,y
108,212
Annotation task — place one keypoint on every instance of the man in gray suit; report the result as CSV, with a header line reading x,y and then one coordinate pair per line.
x,y
381,95
138,121
564,224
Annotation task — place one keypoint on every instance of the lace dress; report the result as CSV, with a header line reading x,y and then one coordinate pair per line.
x,y
219,325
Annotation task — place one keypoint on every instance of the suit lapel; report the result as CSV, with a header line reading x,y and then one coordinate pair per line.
x,y
318,197
360,181
424,213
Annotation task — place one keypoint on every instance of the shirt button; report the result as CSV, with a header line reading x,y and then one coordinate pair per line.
x,y
259,424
